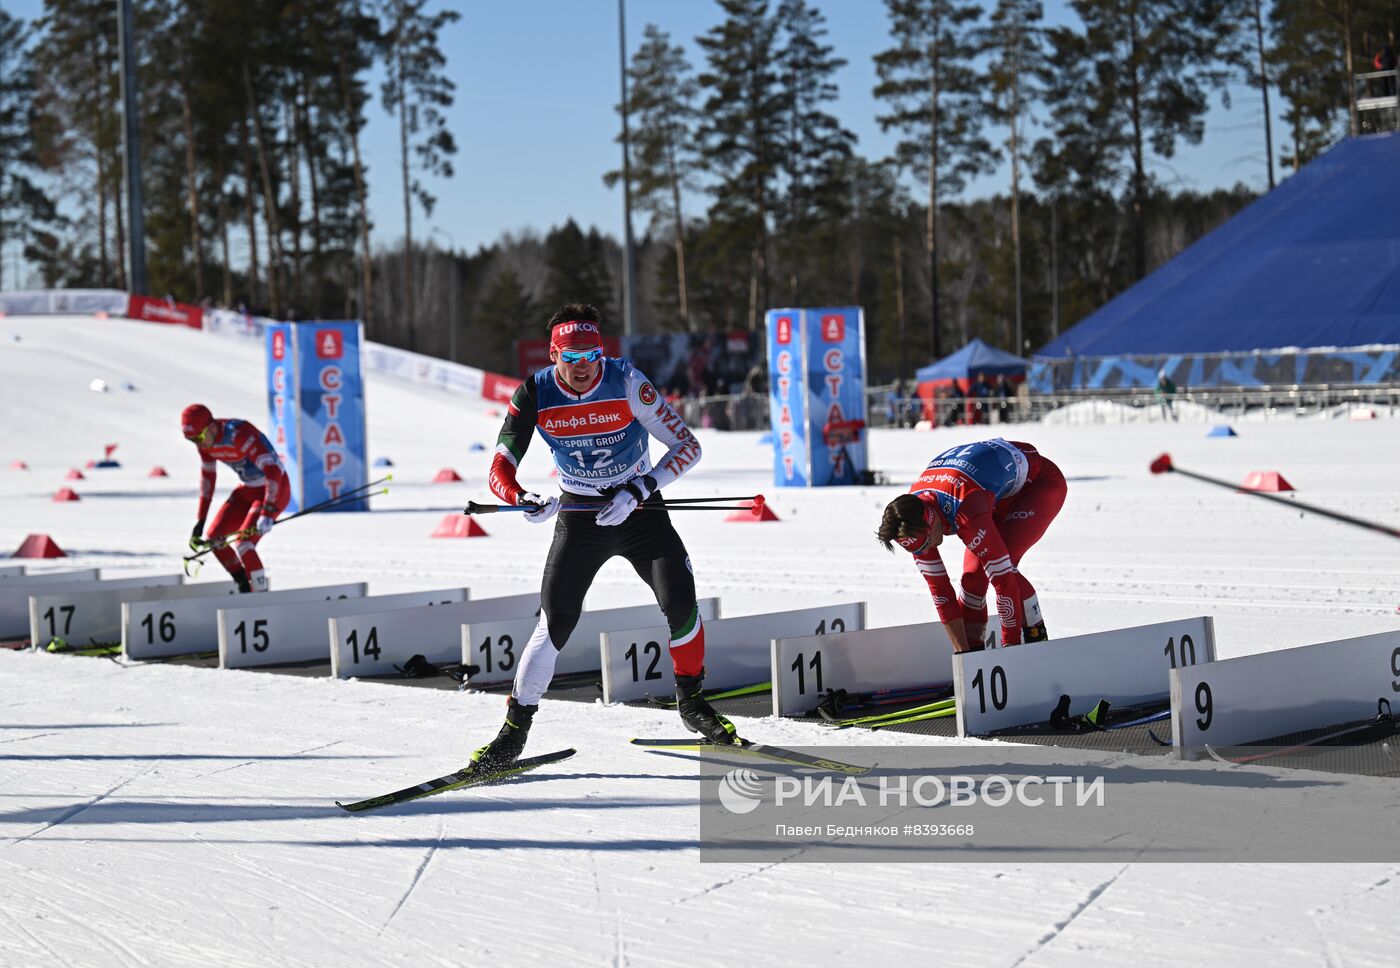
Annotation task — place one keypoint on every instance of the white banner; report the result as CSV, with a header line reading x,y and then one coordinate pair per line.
x,y
424,370
226,322
56,302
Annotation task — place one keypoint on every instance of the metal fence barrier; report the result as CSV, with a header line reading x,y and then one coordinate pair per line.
x,y
888,408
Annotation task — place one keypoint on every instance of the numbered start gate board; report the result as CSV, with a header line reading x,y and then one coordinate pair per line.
x,y
15,592
258,634
59,605
94,614
372,644
1022,684
495,647
738,651
803,669
1251,698
154,630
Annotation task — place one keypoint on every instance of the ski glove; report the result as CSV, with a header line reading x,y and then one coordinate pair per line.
x,y
264,524
625,501
543,509
197,542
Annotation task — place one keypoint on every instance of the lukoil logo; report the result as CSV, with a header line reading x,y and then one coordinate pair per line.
x,y
740,791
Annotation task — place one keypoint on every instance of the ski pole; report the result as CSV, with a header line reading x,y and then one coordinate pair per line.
x,y
1164,465
352,495
679,504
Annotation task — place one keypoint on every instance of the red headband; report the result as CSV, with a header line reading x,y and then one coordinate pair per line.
x,y
576,334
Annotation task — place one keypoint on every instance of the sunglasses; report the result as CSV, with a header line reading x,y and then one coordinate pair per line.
x,y
204,436
581,356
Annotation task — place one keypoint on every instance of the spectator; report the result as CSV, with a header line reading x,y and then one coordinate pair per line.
x,y
981,393
955,399
697,368
1165,392
1004,392
1384,61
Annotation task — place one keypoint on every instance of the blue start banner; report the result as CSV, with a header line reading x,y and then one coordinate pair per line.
x,y
816,364
317,402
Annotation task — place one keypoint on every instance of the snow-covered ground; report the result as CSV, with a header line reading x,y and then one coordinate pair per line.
x,y
162,815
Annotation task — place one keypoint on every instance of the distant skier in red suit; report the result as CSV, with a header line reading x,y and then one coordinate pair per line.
x,y
998,496
252,508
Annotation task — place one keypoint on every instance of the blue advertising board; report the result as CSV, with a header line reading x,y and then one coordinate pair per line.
x,y
787,397
835,344
282,384
817,404
316,397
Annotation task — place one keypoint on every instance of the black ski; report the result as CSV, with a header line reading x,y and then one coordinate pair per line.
x,y
743,747
460,780
1384,724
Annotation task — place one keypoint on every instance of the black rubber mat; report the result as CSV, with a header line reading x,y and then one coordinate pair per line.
x,y
1372,752
1375,756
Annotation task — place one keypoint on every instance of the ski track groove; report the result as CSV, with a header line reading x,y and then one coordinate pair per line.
x,y
107,938
239,766
735,880
1062,926
247,931
74,811
1330,909
619,942
265,873
39,942
21,739
417,875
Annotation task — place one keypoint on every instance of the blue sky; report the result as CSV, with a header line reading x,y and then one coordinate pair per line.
x,y
534,119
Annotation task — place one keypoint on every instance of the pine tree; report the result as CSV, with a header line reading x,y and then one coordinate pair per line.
x,y
25,209
578,269
929,82
1015,41
418,91
664,161
1309,58
816,146
741,133
1141,76
506,313
75,69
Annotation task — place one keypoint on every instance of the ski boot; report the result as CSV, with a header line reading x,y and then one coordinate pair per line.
x,y
1034,633
505,749
240,578
698,715
976,637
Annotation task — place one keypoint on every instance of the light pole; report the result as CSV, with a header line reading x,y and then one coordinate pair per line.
x,y
131,152
629,256
451,293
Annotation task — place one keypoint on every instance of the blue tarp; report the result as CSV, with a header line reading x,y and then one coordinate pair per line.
x,y
1315,262
974,358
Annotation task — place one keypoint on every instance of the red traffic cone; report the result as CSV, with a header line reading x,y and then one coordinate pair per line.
x,y
66,494
459,526
1265,481
39,546
447,476
760,512
158,471
74,475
